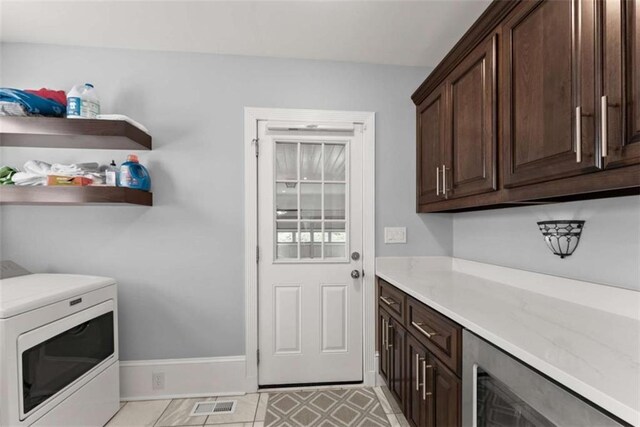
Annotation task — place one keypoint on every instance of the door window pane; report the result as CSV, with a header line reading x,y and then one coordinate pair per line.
x,y
286,240
336,238
310,240
334,162
310,162
311,201
286,161
286,201
334,201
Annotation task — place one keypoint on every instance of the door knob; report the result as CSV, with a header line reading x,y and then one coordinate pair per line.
x,y
355,274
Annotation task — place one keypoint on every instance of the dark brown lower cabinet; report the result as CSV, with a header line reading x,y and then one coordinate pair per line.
x,y
428,392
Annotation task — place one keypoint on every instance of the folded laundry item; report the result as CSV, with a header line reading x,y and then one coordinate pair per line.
x,y
75,169
28,179
58,96
32,104
6,172
12,109
122,117
34,173
37,167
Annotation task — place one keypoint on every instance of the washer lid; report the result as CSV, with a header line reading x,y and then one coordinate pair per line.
x,y
24,293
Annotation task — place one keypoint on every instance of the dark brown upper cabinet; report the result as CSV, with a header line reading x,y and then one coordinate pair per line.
x,y
619,111
537,103
549,91
430,146
470,149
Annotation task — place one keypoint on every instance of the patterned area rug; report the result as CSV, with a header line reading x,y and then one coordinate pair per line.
x,y
357,407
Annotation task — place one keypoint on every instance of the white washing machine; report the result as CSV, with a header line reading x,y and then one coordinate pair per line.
x,y
58,350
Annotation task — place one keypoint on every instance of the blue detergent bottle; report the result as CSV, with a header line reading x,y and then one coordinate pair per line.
x,y
134,175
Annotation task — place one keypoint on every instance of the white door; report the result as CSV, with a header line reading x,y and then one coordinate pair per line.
x,y
310,240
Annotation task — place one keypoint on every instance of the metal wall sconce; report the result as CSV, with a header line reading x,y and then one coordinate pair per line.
x,y
561,236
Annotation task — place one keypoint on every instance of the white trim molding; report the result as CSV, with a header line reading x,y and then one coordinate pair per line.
x,y
199,377
251,118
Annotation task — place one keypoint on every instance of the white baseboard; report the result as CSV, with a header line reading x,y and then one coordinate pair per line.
x,y
211,376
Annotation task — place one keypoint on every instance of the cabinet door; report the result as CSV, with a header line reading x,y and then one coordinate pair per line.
x,y
471,147
396,379
548,91
383,348
446,391
619,109
419,404
430,124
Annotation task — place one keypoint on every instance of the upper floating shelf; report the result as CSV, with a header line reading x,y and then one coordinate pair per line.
x,y
51,132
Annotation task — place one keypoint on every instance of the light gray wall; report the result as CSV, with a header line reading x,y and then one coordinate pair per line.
x,y
179,264
608,253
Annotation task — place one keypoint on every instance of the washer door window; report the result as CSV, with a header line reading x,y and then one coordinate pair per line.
x,y
53,363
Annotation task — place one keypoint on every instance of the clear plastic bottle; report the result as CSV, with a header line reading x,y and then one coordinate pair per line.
x,y
83,102
111,174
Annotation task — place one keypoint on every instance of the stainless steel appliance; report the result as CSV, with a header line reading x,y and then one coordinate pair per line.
x,y
500,391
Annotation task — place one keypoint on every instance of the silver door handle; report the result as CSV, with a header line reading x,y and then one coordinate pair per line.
x,y
355,274
419,326
424,380
437,180
388,327
578,134
604,124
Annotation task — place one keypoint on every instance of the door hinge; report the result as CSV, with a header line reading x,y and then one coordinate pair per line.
x,y
256,141
258,355
257,253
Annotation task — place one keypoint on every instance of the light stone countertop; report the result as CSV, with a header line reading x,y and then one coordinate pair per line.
x,y
584,335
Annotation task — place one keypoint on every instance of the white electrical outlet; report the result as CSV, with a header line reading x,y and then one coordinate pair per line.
x,y
395,234
157,380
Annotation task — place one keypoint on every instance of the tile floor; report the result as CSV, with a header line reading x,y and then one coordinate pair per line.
x,y
251,411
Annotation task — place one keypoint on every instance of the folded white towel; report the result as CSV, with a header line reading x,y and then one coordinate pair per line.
x,y
75,169
27,178
122,117
37,167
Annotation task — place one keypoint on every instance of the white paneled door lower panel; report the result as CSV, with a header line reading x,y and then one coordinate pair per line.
x,y
335,317
309,224
287,330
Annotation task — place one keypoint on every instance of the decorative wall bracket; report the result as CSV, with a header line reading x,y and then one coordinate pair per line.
x,y
562,236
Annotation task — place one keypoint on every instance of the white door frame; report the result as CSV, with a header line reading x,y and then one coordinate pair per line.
x,y
251,118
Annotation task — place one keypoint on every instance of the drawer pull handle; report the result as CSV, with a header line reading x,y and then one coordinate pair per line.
x,y
419,326
387,300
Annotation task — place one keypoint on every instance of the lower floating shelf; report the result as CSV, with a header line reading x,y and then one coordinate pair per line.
x,y
73,195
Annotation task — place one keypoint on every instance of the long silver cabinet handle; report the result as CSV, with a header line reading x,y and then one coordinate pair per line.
x,y
387,300
388,327
604,124
437,180
419,326
578,134
384,334
425,393
418,360
444,181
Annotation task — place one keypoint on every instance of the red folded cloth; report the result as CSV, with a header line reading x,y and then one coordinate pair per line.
x,y
58,96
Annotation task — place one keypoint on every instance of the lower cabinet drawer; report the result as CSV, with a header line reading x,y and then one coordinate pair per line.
x,y
440,335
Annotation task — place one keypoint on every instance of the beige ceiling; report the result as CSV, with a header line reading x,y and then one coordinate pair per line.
x,y
415,33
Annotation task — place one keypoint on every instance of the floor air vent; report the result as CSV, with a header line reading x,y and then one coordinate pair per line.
x,y
213,408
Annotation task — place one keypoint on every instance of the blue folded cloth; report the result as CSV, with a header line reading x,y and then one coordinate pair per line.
x,y
32,104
